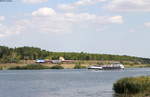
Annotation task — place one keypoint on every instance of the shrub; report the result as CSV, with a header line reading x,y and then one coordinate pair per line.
x,y
132,85
29,67
1,68
78,66
57,67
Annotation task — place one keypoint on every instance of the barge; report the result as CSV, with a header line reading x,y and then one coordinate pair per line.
x,y
108,67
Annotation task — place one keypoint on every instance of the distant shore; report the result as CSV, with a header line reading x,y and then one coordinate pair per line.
x,y
82,64
21,56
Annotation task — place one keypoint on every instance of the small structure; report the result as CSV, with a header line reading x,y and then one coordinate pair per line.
x,y
60,60
56,61
40,61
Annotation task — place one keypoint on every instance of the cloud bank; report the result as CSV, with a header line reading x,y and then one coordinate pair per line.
x,y
78,3
34,1
47,20
128,5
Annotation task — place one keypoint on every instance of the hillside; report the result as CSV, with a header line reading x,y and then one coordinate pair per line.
x,y
14,55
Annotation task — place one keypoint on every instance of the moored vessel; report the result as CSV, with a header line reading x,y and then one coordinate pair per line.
x,y
108,67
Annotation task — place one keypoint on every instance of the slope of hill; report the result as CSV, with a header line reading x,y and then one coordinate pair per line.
x,y
14,55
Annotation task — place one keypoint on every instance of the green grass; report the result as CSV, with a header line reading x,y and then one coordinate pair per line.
x,y
138,66
78,66
57,67
134,86
29,67
35,67
1,68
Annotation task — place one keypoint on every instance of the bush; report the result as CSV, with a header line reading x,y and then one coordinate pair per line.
x,y
29,67
1,68
78,66
57,67
132,85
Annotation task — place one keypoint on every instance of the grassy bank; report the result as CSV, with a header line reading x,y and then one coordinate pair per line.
x,y
57,67
35,67
138,66
78,64
29,67
132,87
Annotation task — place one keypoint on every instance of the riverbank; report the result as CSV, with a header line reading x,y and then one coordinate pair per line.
x,y
65,66
35,67
138,66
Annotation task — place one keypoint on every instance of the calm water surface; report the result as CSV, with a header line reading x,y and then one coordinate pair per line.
x,y
62,83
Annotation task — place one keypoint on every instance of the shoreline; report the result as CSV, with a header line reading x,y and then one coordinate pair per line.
x,y
65,66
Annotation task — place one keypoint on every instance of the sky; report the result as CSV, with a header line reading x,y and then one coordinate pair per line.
x,y
120,27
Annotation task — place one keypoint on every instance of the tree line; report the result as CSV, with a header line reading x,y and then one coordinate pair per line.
x,y
14,55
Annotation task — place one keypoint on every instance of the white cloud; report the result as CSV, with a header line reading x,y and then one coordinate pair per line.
x,y
65,22
147,24
78,3
132,30
2,18
45,11
16,28
117,19
46,20
79,17
34,1
128,5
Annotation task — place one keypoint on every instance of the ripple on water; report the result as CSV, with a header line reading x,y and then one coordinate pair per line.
x,y
62,83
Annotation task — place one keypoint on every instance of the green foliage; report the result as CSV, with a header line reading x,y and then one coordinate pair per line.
x,y
100,63
1,68
78,66
29,67
57,67
132,85
14,55
35,67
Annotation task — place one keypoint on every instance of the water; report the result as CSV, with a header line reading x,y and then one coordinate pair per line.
x,y
62,83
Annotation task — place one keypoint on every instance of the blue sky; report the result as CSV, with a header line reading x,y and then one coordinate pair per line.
x,y
95,26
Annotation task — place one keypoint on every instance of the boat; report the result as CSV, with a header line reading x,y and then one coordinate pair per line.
x,y
108,67
95,67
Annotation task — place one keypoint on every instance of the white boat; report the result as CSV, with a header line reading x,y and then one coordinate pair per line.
x,y
108,67
95,67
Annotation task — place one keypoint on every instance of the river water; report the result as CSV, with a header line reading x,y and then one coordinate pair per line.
x,y
62,83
